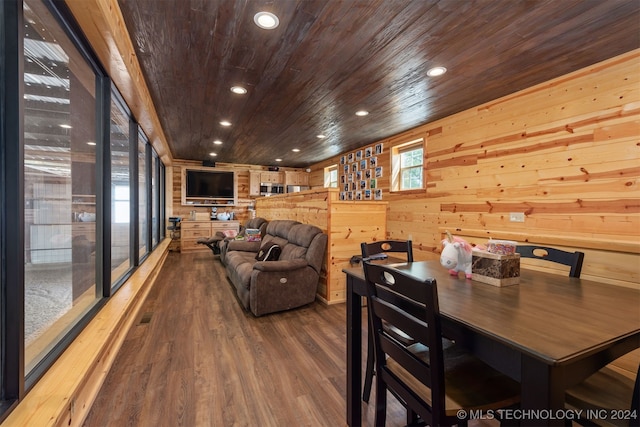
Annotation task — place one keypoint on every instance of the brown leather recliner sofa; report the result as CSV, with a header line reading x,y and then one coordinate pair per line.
x,y
290,281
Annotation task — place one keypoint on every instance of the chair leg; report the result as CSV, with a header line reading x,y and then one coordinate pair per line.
x,y
370,369
381,404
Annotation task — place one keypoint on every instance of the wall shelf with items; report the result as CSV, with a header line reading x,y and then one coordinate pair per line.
x,y
192,201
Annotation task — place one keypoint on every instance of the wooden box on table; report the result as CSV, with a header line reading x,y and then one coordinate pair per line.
x,y
494,269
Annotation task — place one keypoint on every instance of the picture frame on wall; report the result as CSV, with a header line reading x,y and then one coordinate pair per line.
x,y
367,194
373,162
378,172
368,152
378,149
378,194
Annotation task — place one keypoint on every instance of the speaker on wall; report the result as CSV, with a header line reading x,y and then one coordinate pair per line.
x,y
209,164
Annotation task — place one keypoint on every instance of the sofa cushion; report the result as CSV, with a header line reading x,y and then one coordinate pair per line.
x,y
269,252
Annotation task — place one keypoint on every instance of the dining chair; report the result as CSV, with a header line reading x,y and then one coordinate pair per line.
x,y
434,383
572,259
388,246
374,248
608,393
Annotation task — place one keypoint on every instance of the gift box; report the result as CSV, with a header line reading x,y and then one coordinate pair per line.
x,y
495,269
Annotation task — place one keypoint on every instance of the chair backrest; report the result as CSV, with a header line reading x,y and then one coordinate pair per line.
x,y
385,246
411,305
572,259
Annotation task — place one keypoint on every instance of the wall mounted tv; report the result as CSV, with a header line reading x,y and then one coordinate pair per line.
x,y
208,187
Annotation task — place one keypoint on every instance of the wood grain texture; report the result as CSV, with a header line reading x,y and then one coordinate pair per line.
x,y
327,59
204,361
565,153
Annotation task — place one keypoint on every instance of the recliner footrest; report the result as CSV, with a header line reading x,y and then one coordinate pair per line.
x,y
211,242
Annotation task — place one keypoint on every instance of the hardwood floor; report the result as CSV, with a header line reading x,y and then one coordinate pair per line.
x,y
196,358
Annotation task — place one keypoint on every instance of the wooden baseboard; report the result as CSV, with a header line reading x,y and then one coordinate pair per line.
x,y
64,395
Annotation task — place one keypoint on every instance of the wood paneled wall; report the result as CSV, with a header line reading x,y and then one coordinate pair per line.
x,y
566,153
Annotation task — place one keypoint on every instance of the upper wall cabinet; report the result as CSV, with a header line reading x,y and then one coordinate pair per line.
x,y
296,178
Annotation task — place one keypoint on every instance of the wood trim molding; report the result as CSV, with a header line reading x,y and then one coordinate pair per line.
x,y
64,395
554,240
103,25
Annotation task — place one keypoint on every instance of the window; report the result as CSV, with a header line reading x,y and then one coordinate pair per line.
x,y
143,214
331,176
121,188
60,182
407,164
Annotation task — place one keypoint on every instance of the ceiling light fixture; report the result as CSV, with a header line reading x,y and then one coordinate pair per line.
x,y
212,154
217,142
295,150
436,71
266,20
91,143
278,160
65,126
321,136
239,90
362,113
225,123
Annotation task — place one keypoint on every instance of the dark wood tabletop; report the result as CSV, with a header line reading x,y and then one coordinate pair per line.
x,y
548,332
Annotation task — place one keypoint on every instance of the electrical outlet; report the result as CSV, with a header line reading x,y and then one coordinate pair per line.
x,y
516,217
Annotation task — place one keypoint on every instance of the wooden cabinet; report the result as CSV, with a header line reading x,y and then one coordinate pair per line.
x,y
296,178
264,177
254,183
272,177
191,231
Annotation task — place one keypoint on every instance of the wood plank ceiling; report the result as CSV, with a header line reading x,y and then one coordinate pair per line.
x,y
330,58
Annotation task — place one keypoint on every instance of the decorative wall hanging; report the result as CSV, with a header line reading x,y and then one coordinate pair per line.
x,y
360,173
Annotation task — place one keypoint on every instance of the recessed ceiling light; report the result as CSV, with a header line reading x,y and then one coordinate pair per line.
x,y
212,154
217,142
239,90
225,123
436,71
321,136
266,20
65,126
362,113
91,143
295,150
278,160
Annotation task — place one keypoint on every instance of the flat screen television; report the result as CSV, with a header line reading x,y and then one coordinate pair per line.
x,y
205,184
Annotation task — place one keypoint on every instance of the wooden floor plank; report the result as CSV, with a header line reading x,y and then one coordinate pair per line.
x,y
201,360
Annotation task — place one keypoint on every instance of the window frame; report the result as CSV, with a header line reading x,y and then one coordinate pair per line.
x,y
328,171
396,164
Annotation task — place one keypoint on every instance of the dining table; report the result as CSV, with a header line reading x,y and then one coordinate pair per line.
x,y
548,332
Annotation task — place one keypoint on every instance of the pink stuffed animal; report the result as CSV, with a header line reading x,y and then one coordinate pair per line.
x,y
456,255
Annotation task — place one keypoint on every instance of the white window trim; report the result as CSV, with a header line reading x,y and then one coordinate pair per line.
x,y
395,163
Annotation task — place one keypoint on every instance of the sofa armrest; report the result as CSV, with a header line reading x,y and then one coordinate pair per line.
x,y
280,265
243,245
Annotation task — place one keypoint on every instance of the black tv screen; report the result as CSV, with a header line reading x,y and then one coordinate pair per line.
x,y
210,185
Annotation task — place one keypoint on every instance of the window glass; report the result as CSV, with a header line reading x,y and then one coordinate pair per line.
x,y
411,169
331,176
142,196
59,183
121,260
155,198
